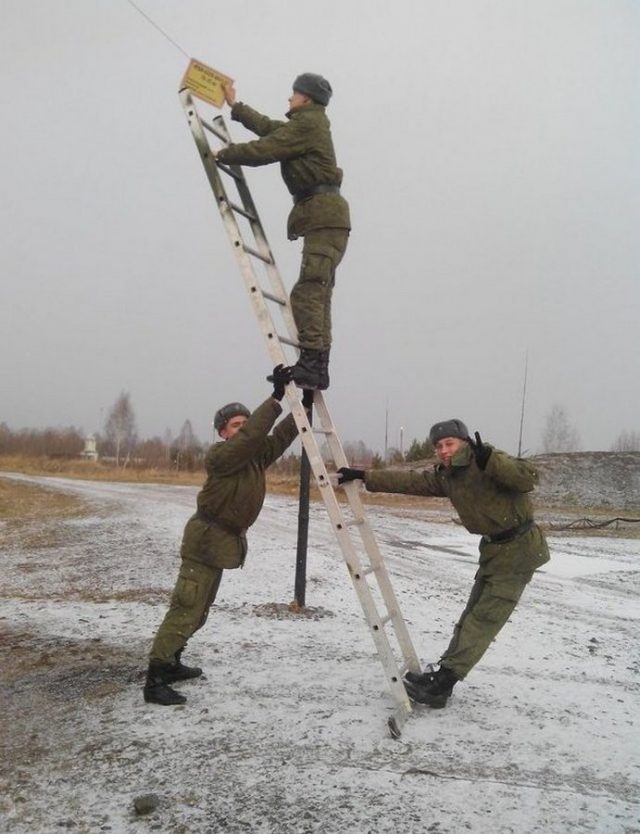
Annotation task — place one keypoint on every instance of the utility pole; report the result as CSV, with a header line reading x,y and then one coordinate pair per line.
x,y
524,394
386,432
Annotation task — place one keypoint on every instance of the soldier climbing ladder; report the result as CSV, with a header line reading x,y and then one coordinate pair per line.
x,y
353,530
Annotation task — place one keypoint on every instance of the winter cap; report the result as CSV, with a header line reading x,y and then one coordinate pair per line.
x,y
314,86
224,414
448,428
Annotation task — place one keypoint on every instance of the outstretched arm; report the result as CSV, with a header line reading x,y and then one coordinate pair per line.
x,y
379,480
287,141
247,116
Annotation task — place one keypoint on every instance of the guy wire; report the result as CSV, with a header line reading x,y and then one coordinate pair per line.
x,y
162,32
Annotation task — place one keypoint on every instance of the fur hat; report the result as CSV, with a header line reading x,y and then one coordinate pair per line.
x,y
314,86
448,428
224,414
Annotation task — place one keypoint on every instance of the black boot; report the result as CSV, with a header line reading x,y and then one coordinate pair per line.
x,y
308,370
324,373
432,688
422,677
157,690
180,672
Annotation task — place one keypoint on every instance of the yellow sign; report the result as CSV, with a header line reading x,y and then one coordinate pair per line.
x,y
205,82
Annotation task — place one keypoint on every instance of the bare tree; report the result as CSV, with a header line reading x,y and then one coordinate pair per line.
x,y
167,440
120,428
357,452
151,452
627,441
187,439
558,435
187,450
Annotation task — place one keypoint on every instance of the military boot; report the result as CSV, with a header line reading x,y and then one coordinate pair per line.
x,y
156,688
432,688
180,672
308,370
324,373
422,677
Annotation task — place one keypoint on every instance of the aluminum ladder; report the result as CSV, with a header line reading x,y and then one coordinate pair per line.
x,y
353,530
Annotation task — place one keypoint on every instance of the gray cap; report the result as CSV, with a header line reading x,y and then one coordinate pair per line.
x,y
314,86
448,428
224,414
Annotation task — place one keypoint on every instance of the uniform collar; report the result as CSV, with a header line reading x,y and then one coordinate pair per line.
x,y
297,111
462,457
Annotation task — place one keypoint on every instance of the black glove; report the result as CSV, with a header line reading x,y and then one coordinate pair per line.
x,y
346,474
481,452
280,377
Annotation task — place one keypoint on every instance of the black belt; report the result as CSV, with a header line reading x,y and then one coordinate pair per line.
x,y
317,189
509,535
234,531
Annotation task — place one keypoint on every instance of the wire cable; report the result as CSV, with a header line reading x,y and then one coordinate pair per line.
x,y
162,32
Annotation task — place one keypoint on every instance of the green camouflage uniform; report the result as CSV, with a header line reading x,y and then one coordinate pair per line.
x,y
488,502
215,537
304,148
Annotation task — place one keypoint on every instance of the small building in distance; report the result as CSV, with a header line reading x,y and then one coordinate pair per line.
x,y
90,451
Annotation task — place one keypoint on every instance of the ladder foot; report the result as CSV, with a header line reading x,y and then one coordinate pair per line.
x,y
394,729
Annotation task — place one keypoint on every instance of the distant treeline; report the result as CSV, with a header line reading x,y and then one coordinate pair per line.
x,y
184,452
68,442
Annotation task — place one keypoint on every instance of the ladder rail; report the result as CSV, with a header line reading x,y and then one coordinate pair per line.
x,y
232,227
273,273
369,540
357,570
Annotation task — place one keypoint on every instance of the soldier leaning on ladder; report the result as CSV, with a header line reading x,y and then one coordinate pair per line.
x,y
489,489
215,537
304,148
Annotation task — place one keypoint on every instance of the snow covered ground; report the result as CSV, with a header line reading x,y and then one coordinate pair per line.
x,y
287,732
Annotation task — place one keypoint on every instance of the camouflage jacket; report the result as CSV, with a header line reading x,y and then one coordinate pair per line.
x,y
304,148
233,494
489,502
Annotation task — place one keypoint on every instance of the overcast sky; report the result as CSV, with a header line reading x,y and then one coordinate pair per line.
x,y
492,163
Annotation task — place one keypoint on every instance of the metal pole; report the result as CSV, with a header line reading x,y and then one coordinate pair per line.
x,y
303,528
386,433
524,394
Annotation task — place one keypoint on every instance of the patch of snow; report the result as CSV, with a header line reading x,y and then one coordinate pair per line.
x,y
286,733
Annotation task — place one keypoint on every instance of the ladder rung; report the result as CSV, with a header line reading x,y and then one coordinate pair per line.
x,y
322,431
228,170
213,130
356,522
384,620
256,254
243,212
276,298
287,341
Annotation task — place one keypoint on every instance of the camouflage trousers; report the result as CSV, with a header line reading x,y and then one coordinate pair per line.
x,y
192,597
311,295
491,603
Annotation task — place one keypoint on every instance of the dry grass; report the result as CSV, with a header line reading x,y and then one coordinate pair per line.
x,y
20,502
96,471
